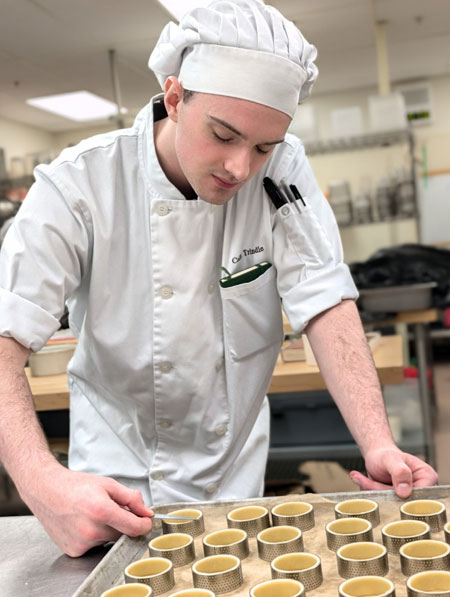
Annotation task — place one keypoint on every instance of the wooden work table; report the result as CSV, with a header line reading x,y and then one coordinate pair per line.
x,y
298,376
408,317
52,393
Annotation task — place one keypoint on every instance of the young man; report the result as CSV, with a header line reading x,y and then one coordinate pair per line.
x,y
132,230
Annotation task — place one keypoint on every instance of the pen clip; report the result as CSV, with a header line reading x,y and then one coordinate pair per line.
x,y
289,194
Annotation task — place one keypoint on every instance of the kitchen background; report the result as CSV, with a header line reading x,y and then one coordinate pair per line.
x,y
377,126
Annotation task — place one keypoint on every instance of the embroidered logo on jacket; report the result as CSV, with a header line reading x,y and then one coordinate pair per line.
x,y
246,252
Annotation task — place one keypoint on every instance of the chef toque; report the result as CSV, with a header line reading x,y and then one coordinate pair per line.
x,y
239,48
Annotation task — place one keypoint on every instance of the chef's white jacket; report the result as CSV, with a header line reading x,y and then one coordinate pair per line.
x,y
169,377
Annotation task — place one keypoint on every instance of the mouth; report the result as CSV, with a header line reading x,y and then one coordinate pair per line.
x,y
223,183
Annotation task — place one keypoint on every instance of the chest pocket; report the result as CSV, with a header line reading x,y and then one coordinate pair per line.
x,y
252,315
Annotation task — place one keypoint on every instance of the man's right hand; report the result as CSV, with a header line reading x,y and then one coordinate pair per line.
x,y
80,511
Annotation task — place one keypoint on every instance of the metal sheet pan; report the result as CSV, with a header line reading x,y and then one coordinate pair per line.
x,y
110,570
393,299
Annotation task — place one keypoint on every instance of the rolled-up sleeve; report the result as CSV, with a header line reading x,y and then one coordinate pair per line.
x,y
42,261
311,273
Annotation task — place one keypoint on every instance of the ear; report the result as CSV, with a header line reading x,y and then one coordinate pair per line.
x,y
173,96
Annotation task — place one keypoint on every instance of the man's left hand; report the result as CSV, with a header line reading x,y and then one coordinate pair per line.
x,y
391,468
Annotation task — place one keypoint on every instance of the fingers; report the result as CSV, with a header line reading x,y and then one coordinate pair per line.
x,y
423,474
84,510
389,469
401,475
365,483
128,523
130,498
126,511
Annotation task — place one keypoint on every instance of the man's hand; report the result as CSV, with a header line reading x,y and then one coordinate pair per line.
x,y
341,350
391,468
80,511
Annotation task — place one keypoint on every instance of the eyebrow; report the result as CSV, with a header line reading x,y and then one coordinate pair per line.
x,y
230,127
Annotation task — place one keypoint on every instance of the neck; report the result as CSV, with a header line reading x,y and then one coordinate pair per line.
x,y
164,136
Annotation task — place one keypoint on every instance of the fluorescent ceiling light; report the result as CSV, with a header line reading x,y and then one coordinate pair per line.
x,y
80,106
178,8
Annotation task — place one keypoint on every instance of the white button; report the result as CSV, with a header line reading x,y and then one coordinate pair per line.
x,y
165,367
221,429
285,210
157,476
162,209
165,423
211,287
211,488
166,292
219,363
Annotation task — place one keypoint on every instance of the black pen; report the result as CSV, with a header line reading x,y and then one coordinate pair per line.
x,y
296,193
276,196
289,194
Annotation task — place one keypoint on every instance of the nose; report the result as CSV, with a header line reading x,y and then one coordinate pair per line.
x,y
237,164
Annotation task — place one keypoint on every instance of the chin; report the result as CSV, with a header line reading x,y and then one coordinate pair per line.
x,y
217,198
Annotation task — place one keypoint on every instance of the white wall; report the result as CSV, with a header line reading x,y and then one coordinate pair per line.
x,y
435,138
20,140
73,137
29,143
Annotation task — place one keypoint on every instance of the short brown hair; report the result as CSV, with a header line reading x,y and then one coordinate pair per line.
x,y
187,95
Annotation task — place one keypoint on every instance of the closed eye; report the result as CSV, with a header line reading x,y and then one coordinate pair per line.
x,y
222,139
229,139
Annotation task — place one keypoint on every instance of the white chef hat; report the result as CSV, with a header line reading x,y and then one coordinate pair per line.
x,y
239,48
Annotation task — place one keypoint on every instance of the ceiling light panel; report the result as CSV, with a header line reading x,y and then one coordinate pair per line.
x,y
178,8
80,106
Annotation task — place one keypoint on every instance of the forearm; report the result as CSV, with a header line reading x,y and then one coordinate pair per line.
x,y
340,347
23,446
78,510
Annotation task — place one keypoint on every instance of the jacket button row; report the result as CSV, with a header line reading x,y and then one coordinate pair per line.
x,y
165,367
221,429
166,292
162,209
157,476
211,488
165,423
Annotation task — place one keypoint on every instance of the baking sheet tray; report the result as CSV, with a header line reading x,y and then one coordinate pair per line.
x,y
109,571
393,299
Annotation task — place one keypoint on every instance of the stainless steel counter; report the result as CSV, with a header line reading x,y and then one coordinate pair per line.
x,y
31,565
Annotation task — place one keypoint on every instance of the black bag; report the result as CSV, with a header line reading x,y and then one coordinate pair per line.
x,y
404,265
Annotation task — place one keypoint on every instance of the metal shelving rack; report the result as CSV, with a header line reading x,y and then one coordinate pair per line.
x,y
367,141
383,139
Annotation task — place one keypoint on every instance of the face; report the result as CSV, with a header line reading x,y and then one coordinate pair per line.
x,y
221,142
